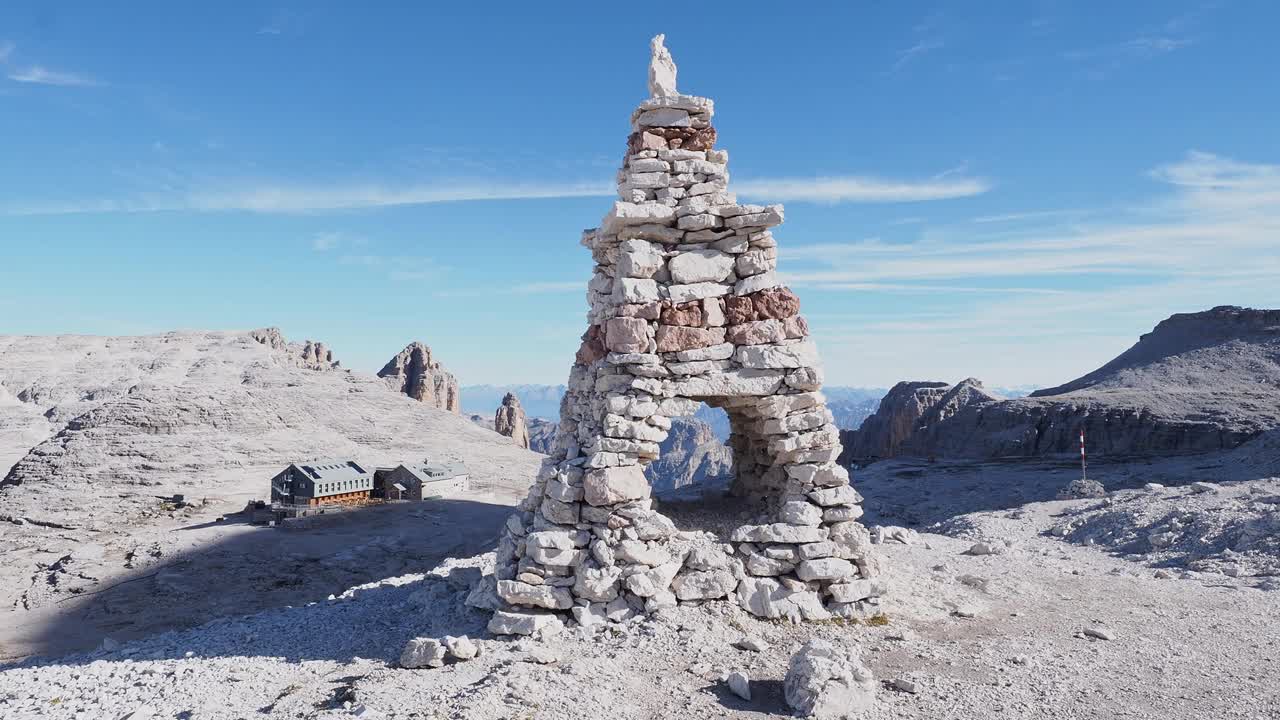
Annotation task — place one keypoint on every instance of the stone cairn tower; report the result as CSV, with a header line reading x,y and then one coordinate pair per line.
x,y
686,308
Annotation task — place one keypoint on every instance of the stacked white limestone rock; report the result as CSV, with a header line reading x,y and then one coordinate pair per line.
x,y
686,307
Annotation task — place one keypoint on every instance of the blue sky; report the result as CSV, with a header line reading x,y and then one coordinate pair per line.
x,y
1007,190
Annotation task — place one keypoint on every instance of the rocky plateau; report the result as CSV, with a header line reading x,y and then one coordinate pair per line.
x,y
1198,382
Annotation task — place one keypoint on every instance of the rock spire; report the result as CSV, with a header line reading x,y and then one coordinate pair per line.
x,y
414,372
510,420
686,307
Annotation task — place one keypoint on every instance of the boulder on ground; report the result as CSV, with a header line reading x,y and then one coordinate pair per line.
x,y
827,683
1081,488
422,653
508,622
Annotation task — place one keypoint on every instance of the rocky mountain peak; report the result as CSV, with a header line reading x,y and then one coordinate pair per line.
x,y
1184,346
414,372
898,416
510,420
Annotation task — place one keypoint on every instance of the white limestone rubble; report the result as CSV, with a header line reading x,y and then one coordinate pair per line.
x,y
686,307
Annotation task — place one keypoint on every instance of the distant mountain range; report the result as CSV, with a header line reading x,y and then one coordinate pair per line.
x,y
849,405
538,401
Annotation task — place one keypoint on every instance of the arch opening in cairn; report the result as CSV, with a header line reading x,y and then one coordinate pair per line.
x,y
686,307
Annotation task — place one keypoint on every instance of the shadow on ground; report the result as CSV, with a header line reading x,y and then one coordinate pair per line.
x,y
255,569
918,493
767,698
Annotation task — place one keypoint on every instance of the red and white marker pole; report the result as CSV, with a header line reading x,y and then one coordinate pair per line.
x,y
1084,465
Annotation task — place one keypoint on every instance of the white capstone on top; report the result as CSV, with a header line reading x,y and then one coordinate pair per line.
x,y
662,69
692,103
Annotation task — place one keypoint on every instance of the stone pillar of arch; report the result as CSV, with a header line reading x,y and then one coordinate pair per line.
x,y
686,308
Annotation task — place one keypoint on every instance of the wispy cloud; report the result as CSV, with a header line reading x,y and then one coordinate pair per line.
x,y
1139,48
534,288
6,49
537,288
1152,46
359,252
326,241
300,198
861,189
405,268
1084,289
1031,215
39,75
921,289
281,198
920,48
1147,43
1202,170
282,22
303,199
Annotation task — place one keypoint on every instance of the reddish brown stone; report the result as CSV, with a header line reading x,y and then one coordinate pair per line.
x,y
796,327
646,311
738,310
675,137
688,314
757,333
775,303
592,348
674,338
652,141
627,335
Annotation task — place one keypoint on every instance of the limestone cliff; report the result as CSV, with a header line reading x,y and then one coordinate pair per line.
x,y
414,372
900,412
691,455
1197,382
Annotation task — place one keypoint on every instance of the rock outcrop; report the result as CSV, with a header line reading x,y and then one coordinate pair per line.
x,y
509,420
686,307
414,372
691,455
899,415
1198,382
316,356
310,354
542,435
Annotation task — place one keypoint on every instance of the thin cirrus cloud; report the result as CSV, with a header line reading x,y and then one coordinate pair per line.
x,y
1084,291
1216,216
287,198
38,75
915,51
861,189
294,199
1143,47
552,287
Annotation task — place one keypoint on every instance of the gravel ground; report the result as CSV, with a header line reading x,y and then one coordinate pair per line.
x,y
996,635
